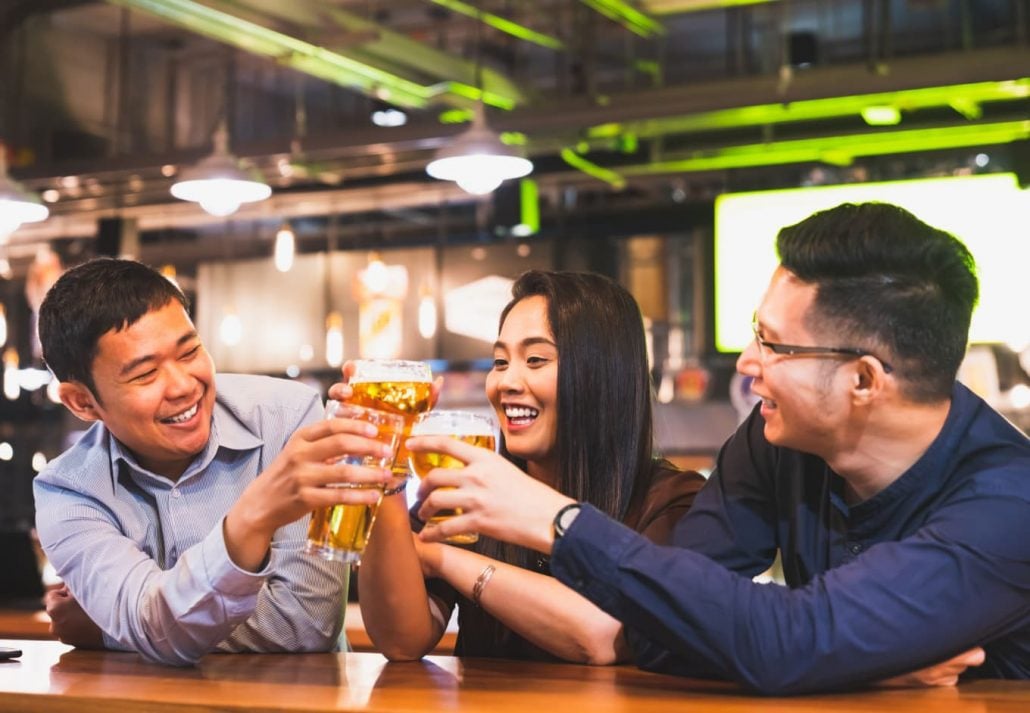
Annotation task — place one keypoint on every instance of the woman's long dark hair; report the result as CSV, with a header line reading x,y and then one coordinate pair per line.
x,y
604,437
605,426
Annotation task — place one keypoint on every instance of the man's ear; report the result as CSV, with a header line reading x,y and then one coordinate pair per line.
x,y
869,380
79,400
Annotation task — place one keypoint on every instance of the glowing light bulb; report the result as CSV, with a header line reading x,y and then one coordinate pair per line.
x,y
285,248
220,206
376,277
479,184
38,461
6,451
334,339
231,329
427,317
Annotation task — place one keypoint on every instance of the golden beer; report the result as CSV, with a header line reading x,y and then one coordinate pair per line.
x,y
401,387
472,428
341,528
340,532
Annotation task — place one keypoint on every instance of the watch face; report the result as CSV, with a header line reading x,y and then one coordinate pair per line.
x,y
565,519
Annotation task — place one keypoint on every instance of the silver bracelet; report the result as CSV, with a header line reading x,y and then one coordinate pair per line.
x,y
397,489
481,580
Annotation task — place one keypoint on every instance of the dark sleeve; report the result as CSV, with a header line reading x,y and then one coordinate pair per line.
x,y
733,519
959,581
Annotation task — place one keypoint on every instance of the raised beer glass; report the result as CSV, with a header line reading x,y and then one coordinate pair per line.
x,y
340,532
473,428
395,386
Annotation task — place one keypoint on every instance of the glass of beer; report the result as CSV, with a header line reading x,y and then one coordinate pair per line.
x,y
476,429
395,386
340,532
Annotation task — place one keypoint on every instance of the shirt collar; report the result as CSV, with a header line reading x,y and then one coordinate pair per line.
x,y
226,432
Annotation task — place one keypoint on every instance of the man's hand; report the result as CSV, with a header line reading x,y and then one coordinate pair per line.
x,y
496,498
945,673
295,484
69,623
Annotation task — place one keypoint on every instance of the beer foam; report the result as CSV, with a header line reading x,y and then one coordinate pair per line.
x,y
396,370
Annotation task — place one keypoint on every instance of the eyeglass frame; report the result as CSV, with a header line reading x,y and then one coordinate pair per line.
x,y
793,349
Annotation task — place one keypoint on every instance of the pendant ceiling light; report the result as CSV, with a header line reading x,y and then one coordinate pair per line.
x,y
218,183
17,205
477,160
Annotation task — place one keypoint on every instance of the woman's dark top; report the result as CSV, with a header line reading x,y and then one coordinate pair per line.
x,y
668,498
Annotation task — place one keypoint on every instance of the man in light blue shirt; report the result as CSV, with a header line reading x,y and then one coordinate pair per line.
x,y
177,520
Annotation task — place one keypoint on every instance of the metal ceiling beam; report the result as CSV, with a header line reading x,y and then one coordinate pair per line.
x,y
502,24
383,48
318,61
628,16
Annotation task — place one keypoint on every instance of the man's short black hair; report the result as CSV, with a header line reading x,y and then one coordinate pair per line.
x,y
90,300
889,283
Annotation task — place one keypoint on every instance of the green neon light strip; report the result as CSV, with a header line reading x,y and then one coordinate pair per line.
x,y
499,23
966,95
302,56
592,169
529,202
839,150
628,16
662,7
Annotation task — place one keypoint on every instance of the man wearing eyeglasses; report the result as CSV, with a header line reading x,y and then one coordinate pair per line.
x,y
897,499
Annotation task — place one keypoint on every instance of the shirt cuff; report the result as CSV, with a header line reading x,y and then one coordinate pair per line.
x,y
238,585
586,557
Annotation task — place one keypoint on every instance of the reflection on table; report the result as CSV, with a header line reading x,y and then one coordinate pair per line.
x,y
54,678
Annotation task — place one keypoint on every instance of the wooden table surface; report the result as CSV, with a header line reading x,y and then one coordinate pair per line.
x,y
26,624
55,678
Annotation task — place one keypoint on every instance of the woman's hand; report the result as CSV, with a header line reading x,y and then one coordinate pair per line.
x,y
496,498
430,556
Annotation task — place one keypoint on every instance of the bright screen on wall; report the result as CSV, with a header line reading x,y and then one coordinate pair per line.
x,y
989,213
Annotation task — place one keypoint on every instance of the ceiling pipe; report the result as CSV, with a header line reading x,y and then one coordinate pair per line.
x,y
318,61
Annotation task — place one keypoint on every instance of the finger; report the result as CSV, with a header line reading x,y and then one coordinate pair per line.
x,y
348,369
440,531
439,478
465,452
344,475
329,426
334,446
341,392
974,657
434,391
449,499
328,497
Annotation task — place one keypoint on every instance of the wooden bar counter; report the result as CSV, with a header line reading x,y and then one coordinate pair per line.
x,y
53,677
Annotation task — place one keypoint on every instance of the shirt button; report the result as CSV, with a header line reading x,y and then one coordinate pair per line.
x,y
855,548
176,493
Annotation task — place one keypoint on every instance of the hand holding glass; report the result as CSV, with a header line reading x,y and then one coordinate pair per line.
x,y
340,532
473,428
396,386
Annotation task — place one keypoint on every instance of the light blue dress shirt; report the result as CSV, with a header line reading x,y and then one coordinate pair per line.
x,y
146,558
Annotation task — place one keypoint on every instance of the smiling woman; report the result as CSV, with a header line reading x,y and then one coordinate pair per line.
x,y
571,389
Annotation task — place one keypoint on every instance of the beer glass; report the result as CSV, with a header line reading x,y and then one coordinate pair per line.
x,y
394,386
473,428
340,532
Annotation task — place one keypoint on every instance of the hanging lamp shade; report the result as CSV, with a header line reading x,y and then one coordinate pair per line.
x,y
477,160
218,183
17,205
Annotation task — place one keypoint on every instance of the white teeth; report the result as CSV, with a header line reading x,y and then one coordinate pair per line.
x,y
184,416
514,412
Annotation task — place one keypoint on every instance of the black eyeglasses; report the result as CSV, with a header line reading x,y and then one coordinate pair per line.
x,y
792,349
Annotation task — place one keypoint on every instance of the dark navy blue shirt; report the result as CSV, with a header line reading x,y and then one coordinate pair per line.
x,y
936,563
